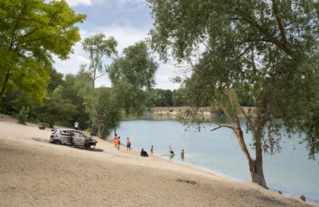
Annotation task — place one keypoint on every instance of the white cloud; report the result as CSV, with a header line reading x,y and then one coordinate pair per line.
x,y
74,3
125,35
119,3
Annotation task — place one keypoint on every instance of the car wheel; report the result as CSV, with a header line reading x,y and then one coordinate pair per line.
x,y
58,142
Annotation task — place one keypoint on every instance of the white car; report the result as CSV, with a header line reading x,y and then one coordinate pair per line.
x,y
72,137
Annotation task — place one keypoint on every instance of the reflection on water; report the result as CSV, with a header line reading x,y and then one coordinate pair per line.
x,y
171,157
219,151
182,158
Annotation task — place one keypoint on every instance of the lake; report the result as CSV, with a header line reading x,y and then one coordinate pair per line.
x,y
218,152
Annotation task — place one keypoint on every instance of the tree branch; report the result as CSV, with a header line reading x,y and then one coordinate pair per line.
x,y
5,83
283,47
281,27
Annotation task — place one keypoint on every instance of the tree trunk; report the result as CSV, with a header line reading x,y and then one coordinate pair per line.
x,y
257,173
100,131
255,166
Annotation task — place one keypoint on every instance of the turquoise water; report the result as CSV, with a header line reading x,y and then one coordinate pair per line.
x,y
289,171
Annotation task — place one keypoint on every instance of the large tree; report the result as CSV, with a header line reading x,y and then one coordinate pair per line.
x,y
31,32
137,68
98,47
131,75
264,47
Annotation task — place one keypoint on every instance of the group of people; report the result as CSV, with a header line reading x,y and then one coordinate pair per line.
x,y
117,143
173,153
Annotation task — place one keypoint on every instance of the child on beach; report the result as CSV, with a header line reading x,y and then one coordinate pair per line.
x,y
170,150
151,149
119,143
115,140
128,146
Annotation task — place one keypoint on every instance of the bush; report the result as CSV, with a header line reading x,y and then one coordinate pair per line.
x,y
171,110
23,115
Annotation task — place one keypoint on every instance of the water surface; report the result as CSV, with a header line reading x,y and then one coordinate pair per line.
x,y
289,171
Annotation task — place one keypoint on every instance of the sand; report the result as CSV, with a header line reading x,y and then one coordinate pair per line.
x,y
37,173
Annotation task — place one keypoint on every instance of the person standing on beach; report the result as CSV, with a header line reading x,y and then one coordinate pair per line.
x,y
115,140
128,146
151,149
119,143
76,125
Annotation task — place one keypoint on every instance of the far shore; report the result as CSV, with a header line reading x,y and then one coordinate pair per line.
x,y
34,172
173,112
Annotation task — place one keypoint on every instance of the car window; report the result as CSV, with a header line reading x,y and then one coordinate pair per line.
x,y
65,132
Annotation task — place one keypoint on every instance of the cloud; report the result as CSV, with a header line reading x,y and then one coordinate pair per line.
x,y
74,3
119,3
125,35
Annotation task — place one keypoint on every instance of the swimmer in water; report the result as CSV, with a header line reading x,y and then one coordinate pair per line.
x,y
171,150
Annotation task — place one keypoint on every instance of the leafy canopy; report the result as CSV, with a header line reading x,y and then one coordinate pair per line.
x,y
267,48
31,32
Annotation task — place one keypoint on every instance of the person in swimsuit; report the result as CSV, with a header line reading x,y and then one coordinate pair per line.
x,y
119,143
151,149
128,146
115,140
182,153
171,150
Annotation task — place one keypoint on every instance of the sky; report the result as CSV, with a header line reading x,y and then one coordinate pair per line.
x,y
129,21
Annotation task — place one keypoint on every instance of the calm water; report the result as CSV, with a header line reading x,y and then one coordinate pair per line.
x,y
289,171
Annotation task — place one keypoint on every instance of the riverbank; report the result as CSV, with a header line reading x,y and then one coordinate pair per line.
x,y
36,173
173,112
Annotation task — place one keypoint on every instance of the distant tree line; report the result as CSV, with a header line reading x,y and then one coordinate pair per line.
x,y
166,98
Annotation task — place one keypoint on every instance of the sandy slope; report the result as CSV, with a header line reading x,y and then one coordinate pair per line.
x,y
34,173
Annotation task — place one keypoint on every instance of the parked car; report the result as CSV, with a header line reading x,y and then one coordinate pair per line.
x,y
73,138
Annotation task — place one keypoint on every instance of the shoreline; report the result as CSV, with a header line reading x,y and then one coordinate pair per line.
x,y
36,173
219,174
223,175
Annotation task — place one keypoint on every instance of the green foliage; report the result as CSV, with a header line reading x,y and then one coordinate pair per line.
x,y
23,115
265,49
161,97
70,92
98,47
133,72
31,32
137,66
129,75
55,81
56,108
108,107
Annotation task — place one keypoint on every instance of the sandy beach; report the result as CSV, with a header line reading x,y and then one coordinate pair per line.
x,y
34,172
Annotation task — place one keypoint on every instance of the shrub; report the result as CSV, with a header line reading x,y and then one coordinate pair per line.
x,y
171,110
23,115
